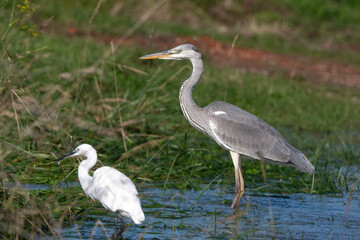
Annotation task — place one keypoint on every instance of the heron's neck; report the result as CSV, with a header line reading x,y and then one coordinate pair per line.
x,y
191,110
84,168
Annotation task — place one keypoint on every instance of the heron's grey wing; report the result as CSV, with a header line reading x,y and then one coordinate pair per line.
x,y
242,132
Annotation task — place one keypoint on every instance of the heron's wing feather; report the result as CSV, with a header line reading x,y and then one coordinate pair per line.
x,y
242,132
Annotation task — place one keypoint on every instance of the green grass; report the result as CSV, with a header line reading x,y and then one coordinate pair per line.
x,y
321,28
53,97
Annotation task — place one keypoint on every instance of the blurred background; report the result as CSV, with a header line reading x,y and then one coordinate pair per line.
x,y
70,74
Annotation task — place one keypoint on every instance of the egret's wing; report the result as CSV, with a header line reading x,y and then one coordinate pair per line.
x,y
117,193
242,132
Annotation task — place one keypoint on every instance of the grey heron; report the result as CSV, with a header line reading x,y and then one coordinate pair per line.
x,y
236,130
114,190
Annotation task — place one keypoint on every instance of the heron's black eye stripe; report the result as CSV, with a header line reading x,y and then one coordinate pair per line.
x,y
193,48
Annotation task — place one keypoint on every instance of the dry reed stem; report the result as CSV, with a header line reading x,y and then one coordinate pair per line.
x,y
121,67
47,223
15,113
97,87
36,227
112,100
143,146
96,10
170,79
26,108
133,122
123,133
98,222
233,44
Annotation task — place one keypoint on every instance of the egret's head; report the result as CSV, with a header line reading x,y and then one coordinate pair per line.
x,y
82,150
184,51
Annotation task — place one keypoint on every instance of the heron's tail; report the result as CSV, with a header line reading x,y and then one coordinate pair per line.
x,y
299,161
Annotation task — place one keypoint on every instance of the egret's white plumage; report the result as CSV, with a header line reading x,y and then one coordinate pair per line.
x,y
114,190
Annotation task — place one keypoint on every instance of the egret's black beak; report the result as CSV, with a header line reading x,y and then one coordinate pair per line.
x,y
159,55
65,156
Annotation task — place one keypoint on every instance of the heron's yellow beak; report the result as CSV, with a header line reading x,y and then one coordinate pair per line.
x,y
160,55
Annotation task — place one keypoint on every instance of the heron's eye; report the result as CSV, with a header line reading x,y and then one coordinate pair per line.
x,y
175,51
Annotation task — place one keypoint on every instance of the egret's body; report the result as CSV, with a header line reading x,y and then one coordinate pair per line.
x,y
114,190
236,130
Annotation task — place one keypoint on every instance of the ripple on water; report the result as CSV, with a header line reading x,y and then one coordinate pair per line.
x,y
181,216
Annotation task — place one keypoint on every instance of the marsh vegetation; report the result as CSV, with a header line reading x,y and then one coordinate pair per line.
x,y
70,74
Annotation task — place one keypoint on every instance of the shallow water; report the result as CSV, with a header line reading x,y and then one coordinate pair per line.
x,y
175,215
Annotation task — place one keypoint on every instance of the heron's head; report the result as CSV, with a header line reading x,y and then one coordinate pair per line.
x,y
184,51
82,150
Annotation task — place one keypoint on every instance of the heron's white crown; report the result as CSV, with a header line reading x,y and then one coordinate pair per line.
x,y
184,51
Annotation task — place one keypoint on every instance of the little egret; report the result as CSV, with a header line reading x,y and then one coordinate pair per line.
x,y
111,188
236,130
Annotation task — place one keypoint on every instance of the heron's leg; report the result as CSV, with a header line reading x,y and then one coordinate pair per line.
x,y
239,181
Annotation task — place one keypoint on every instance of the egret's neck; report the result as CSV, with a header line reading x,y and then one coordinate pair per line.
x,y
192,112
84,168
